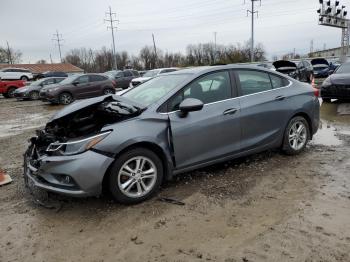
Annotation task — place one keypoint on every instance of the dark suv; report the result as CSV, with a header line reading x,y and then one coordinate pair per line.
x,y
78,87
123,78
305,71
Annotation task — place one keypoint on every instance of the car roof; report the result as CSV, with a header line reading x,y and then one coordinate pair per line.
x,y
206,69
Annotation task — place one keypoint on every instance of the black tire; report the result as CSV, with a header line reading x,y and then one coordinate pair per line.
x,y
65,98
10,92
108,91
5,95
24,78
287,146
326,100
114,187
34,95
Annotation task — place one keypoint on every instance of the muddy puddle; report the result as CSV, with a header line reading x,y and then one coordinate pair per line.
x,y
326,135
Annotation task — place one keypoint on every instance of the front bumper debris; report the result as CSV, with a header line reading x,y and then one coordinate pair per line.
x,y
78,175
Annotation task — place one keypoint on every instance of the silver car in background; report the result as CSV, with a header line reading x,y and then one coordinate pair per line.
x,y
171,124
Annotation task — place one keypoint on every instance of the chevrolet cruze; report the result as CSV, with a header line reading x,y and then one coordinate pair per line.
x,y
171,124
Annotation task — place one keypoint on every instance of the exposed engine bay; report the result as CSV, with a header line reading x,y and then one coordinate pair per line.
x,y
84,122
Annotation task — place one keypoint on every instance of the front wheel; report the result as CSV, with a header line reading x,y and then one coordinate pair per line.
x,y
135,176
108,91
65,98
296,136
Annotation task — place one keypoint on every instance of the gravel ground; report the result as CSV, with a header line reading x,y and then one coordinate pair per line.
x,y
266,207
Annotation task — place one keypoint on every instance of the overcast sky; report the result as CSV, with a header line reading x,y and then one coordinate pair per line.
x,y
29,25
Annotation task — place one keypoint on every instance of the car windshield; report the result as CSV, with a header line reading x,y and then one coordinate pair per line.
x,y
151,73
37,82
154,89
343,69
69,80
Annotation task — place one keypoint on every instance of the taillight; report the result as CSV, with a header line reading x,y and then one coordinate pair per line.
x,y
316,92
114,83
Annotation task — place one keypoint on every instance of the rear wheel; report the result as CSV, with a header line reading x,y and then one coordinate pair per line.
x,y
24,78
10,92
135,176
34,95
296,136
65,98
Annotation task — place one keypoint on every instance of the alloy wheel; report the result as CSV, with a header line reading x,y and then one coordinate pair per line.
x,y
137,177
297,135
66,99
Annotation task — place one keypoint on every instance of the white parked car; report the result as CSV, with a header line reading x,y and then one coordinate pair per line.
x,y
150,74
16,74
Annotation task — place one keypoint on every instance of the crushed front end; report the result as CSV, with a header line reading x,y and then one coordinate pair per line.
x,y
62,158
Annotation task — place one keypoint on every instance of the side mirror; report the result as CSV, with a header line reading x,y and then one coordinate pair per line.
x,y
75,83
190,105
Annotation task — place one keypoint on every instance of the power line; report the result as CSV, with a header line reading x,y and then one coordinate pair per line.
x,y
112,27
252,13
58,39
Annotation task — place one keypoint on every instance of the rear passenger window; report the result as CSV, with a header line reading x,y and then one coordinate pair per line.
x,y
253,81
96,78
278,81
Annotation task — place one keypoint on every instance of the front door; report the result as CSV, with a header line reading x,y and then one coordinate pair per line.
x,y
82,88
214,131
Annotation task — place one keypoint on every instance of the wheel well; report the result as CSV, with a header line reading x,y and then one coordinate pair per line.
x,y
148,145
11,87
308,120
67,92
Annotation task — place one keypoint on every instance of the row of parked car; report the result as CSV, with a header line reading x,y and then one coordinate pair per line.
x,y
304,70
57,88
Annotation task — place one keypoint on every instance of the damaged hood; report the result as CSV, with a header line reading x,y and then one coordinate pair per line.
x,y
76,106
281,64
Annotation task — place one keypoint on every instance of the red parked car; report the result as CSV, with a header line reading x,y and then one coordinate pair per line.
x,y
7,88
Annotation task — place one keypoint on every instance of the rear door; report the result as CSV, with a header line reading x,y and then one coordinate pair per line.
x,y
96,85
264,107
211,133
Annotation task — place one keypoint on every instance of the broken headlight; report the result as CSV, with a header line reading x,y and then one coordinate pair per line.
x,y
77,146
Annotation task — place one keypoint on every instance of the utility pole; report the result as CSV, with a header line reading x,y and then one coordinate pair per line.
x,y
155,51
215,51
110,14
58,39
294,53
311,46
50,58
252,13
9,56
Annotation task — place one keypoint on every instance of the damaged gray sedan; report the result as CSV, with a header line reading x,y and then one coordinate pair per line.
x,y
171,124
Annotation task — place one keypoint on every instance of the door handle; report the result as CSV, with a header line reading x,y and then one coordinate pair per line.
x,y
280,98
230,111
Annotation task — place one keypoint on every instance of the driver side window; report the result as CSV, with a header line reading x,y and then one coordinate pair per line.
x,y
208,89
83,79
